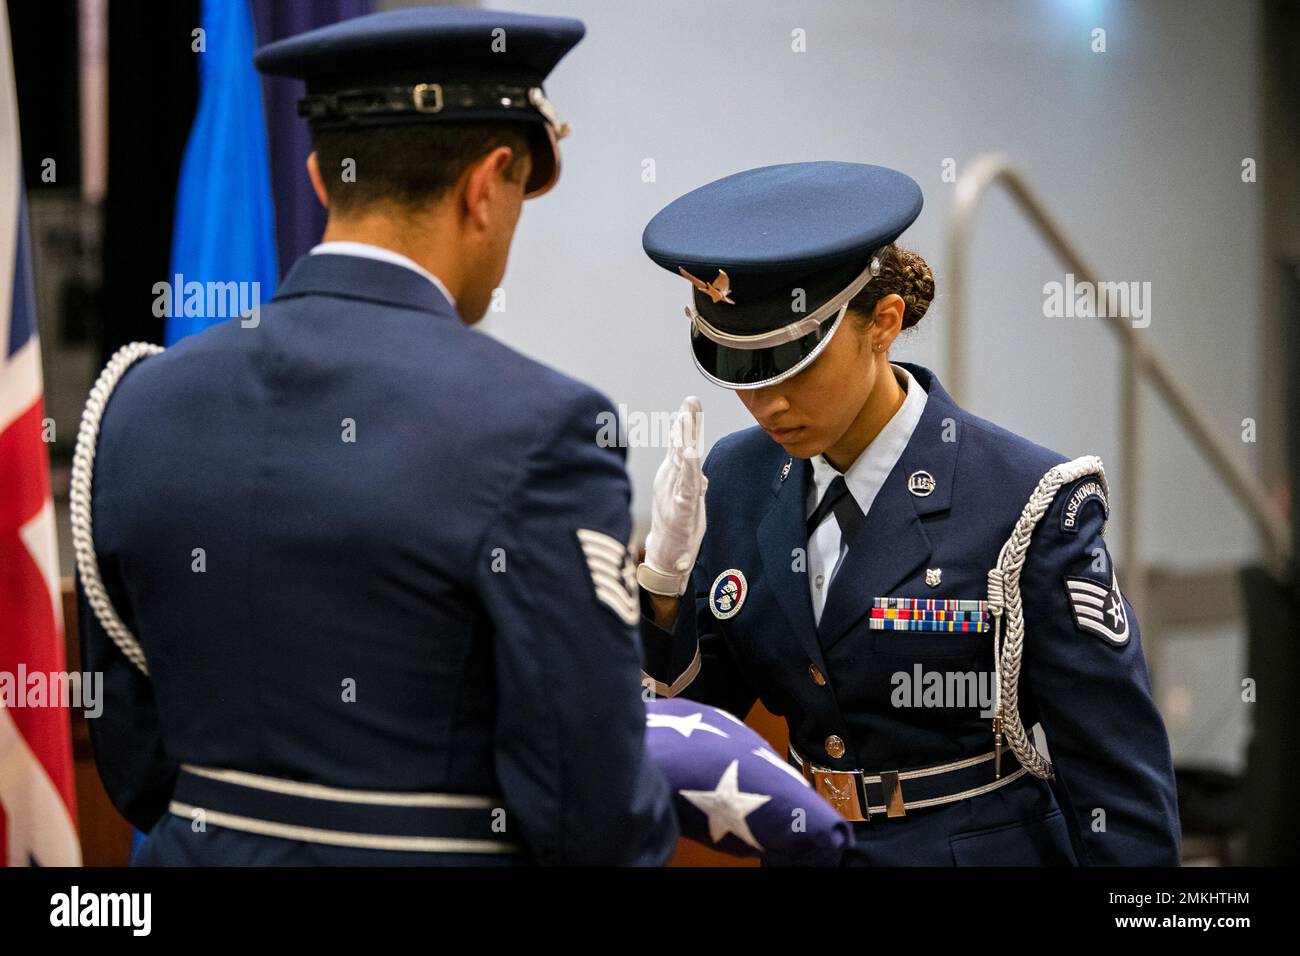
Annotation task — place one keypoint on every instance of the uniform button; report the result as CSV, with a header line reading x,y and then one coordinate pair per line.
x,y
817,676
834,746
819,581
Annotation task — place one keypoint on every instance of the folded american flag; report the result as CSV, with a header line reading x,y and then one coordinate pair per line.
x,y
735,793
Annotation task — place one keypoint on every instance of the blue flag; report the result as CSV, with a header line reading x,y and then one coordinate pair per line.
x,y
223,240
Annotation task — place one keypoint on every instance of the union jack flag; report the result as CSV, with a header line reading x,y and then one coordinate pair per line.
x,y
37,799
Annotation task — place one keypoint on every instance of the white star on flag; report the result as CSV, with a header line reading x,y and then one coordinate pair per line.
x,y
727,806
683,725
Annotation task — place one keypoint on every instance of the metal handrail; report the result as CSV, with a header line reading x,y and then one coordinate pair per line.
x,y
1139,361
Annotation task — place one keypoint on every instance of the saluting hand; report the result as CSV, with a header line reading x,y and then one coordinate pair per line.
x,y
677,519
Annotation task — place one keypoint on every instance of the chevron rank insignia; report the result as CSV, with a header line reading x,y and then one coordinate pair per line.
x,y
1099,610
613,573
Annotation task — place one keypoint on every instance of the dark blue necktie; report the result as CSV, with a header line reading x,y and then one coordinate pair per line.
x,y
838,500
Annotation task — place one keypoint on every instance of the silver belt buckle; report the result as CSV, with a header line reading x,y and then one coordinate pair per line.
x,y
418,93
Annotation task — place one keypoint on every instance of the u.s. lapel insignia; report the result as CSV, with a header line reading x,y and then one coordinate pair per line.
x,y
719,290
920,483
933,576
728,594
1099,610
785,469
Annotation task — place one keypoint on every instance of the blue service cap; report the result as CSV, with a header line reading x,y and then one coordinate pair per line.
x,y
432,64
774,255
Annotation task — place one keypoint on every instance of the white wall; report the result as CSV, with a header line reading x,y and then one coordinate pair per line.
x,y
1137,149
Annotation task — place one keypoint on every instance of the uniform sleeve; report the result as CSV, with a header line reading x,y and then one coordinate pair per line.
x,y
1087,680
135,769
555,579
693,659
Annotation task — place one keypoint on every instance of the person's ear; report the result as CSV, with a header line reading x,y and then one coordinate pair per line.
x,y
317,181
483,182
887,320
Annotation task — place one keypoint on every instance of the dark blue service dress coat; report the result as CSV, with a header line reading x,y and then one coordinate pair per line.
x,y
436,604
843,686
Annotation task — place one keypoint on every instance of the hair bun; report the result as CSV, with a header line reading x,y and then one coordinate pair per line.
x,y
916,285
902,273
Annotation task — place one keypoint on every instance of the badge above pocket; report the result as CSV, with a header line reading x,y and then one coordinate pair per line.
x,y
950,615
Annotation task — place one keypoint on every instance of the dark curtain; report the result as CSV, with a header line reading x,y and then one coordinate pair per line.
x,y
152,96
299,218
44,37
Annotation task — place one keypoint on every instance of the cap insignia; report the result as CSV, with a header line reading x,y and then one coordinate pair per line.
x,y
719,290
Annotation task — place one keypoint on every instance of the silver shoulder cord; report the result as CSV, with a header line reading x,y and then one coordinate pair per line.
x,y
1004,598
79,512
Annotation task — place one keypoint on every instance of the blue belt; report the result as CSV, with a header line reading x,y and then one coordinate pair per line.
x,y
862,796
369,819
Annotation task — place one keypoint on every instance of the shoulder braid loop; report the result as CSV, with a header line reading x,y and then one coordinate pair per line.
x,y
1004,600
79,500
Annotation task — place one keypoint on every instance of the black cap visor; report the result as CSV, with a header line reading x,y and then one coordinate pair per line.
x,y
755,368
545,147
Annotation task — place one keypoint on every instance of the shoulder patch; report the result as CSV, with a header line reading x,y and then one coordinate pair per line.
x,y
613,573
1099,610
1087,490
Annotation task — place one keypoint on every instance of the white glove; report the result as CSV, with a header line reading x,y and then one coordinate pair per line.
x,y
677,514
